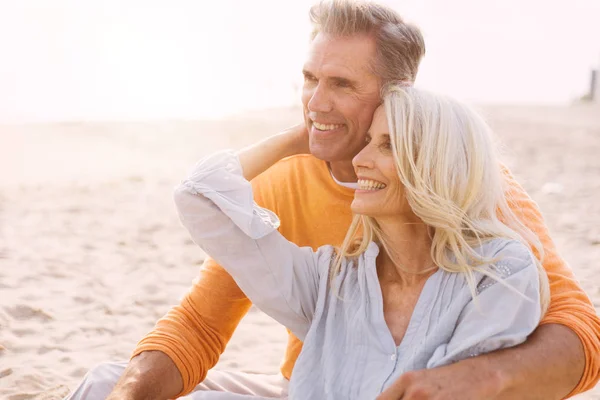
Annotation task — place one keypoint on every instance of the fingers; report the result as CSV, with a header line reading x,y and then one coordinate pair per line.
x,y
395,391
410,386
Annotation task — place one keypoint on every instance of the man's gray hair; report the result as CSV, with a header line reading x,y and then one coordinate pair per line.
x,y
400,46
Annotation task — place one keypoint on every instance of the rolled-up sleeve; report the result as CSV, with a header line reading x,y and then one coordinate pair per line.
x,y
569,304
196,331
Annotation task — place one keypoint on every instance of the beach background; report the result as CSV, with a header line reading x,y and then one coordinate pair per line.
x,y
105,106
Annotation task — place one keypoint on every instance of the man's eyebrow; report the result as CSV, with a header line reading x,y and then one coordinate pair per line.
x,y
342,80
337,79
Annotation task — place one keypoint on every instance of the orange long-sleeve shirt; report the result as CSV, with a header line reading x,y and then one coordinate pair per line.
x,y
315,211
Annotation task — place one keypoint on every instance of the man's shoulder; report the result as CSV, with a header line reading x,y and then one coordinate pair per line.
x,y
294,167
291,176
306,161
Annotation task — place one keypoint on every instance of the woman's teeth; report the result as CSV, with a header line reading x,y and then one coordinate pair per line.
x,y
326,127
365,184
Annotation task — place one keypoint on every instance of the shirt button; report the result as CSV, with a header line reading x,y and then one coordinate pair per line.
x,y
393,357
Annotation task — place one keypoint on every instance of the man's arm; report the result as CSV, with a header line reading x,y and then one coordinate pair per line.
x,y
568,339
149,375
175,357
525,372
187,342
549,349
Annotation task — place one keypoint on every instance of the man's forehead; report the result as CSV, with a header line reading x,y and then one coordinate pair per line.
x,y
331,67
329,55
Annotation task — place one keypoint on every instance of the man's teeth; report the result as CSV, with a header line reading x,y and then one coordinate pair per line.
x,y
365,184
326,127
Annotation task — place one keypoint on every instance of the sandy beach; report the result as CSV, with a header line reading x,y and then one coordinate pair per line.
x,y
92,252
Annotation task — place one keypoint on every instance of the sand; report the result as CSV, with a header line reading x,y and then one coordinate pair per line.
x,y
92,252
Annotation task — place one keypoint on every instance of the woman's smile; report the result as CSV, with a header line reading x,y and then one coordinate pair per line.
x,y
369,185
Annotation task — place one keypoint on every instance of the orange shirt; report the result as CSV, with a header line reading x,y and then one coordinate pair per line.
x,y
315,211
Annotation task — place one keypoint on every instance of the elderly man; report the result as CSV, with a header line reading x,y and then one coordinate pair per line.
x,y
356,47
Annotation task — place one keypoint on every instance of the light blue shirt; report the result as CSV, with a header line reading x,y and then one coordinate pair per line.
x,y
349,352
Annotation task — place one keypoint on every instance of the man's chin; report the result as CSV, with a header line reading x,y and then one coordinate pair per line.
x,y
329,153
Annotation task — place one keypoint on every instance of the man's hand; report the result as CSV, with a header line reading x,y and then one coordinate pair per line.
x,y
152,375
460,381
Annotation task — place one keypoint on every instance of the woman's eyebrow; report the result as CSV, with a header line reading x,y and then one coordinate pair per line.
x,y
381,137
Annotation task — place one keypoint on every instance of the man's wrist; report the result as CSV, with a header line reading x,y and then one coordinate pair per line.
x,y
149,375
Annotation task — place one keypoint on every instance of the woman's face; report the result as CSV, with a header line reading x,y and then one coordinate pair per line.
x,y
380,193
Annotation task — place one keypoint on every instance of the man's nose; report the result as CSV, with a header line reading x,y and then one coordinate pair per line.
x,y
320,100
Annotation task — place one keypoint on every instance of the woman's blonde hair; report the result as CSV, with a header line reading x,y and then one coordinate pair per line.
x,y
446,160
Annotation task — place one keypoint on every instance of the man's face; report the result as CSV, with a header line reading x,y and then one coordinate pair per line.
x,y
340,95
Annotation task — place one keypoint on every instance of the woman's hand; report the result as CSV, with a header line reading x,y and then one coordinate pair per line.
x,y
298,139
259,157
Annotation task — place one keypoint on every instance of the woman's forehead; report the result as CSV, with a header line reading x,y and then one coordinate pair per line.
x,y
379,123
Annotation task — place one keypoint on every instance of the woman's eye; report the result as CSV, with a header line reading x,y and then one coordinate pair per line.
x,y
387,145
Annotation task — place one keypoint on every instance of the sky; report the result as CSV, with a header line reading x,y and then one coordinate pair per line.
x,y
65,60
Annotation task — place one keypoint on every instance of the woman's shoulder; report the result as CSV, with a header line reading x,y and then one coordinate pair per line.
x,y
508,257
326,253
371,251
507,251
350,266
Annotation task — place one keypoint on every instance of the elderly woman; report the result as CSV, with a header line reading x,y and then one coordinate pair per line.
x,y
428,273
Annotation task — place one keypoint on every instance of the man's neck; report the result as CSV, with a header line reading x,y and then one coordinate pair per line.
x,y
343,171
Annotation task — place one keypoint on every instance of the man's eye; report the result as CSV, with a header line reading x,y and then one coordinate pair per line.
x,y
309,78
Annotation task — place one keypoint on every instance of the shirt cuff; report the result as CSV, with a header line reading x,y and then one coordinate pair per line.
x,y
590,343
219,177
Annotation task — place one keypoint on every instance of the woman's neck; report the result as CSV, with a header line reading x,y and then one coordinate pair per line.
x,y
406,256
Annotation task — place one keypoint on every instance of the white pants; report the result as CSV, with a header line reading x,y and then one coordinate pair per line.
x,y
218,385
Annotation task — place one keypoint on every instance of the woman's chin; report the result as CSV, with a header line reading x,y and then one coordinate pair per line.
x,y
359,208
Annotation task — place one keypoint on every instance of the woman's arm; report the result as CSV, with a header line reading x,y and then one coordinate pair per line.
x,y
172,359
216,205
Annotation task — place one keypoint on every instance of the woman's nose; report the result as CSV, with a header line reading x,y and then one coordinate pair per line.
x,y
363,159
